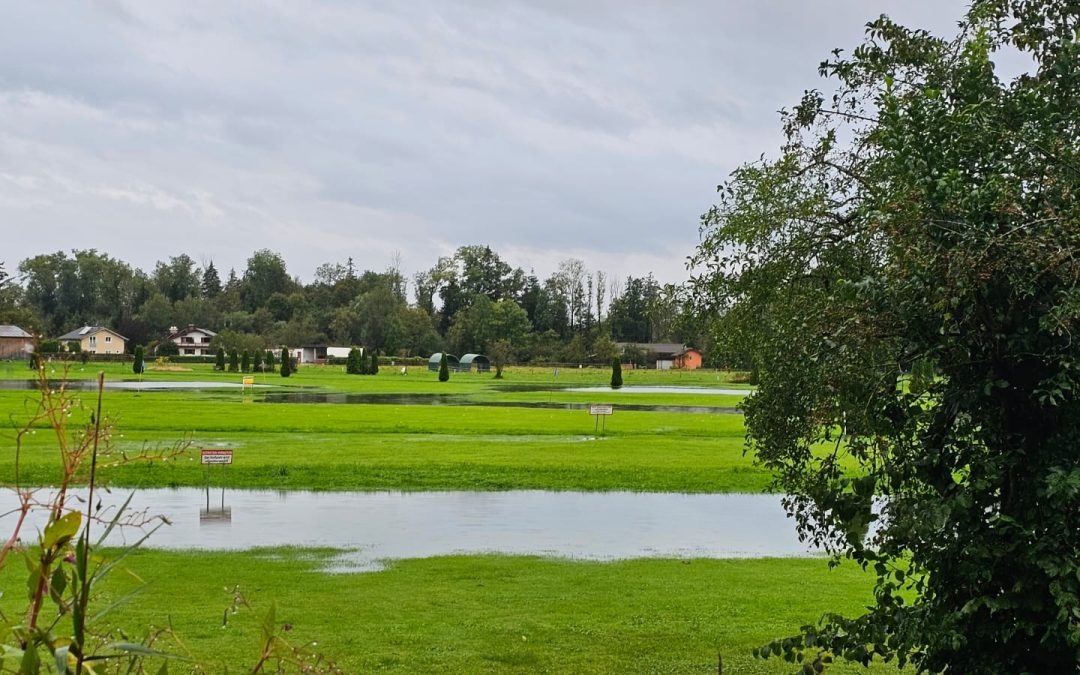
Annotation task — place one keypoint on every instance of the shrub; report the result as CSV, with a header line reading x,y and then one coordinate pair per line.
x,y
286,362
444,368
616,373
137,366
219,363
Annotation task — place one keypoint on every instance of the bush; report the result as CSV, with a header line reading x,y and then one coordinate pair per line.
x,y
257,361
137,366
374,368
245,362
286,362
234,361
271,364
219,362
444,368
616,373
353,366
167,348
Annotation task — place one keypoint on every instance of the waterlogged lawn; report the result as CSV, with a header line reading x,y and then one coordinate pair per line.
x,y
349,447
494,614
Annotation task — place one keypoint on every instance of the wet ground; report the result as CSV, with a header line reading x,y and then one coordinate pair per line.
x,y
464,400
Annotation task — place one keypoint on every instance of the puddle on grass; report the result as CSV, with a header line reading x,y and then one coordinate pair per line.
x,y
642,389
458,400
372,527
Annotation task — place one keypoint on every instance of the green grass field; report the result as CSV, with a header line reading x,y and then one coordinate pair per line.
x,y
418,447
491,613
469,614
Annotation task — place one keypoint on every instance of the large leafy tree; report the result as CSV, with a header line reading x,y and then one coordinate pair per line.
x,y
904,277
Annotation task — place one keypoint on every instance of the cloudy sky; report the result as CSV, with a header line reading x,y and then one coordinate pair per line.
x,y
323,130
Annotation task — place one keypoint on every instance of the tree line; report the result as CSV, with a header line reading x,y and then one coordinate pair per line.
x,y
471,301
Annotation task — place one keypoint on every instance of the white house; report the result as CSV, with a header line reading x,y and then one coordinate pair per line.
x,y
191,341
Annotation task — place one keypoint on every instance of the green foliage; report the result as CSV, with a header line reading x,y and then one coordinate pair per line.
x,y
53,347
167,348
270,362
904,279
245,362
219,359
353,364
138,365
501,352
373,369
286,362
257,361
444,368
234,362
616,373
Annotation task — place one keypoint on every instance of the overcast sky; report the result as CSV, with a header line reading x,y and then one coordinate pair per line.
x,y
323,130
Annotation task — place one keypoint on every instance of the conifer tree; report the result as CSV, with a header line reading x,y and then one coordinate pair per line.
x,y
352,364
444,368
616,373
286,362
257,361
211,282
245,362
219,362
270,362
138,366
234,361
374,369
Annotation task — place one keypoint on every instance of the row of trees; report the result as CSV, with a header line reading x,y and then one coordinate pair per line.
x,y
466,302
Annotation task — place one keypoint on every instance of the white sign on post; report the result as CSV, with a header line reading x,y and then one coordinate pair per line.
x,y
216,456
601,409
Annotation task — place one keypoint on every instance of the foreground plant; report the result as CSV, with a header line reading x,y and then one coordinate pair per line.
x,y
63,630
905,278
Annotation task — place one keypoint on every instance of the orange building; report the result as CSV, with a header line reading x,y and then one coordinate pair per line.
x,y
689,358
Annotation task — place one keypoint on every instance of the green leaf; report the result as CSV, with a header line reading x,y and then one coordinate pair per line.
x,y
61,530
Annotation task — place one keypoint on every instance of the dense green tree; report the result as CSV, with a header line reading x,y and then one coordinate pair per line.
x,y
178,278
234,361
353,366
265,275
219,360
270,364
257,361
444,368
211,282
905,278
245,362
167,348
286,368
373,369
138,365
616,373
501,352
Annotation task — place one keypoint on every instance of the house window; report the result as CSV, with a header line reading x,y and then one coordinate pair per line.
x,y
189,351
108,338
93,341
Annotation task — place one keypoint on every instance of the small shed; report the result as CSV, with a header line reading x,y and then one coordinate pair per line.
x,y
482,363
433,362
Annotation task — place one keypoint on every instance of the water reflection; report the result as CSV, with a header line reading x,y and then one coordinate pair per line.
x,y
217,513
378,526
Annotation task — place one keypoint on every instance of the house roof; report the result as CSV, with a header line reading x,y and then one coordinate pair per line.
x,y
190,329
80,333
13,332
660,348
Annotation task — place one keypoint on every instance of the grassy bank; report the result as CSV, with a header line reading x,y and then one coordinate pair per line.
x,y
492,613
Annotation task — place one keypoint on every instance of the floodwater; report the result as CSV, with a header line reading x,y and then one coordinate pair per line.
x,y
127,385
380,526
642,389
458,400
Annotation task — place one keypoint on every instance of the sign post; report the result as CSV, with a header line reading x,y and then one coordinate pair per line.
x,y
598,410
222,457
